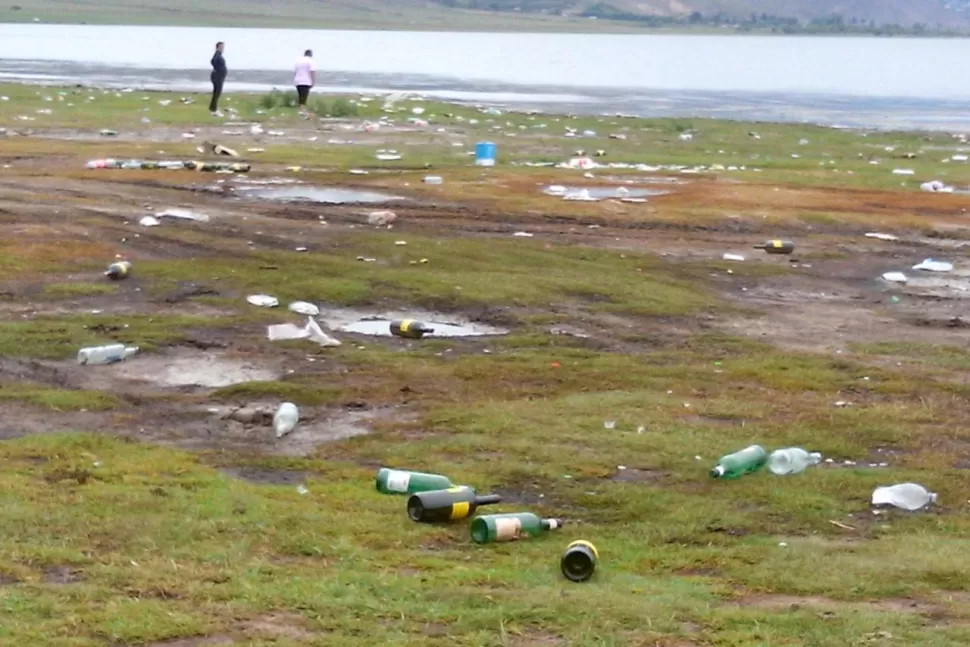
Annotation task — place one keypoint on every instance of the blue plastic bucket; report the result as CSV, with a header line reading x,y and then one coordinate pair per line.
x,y
485,154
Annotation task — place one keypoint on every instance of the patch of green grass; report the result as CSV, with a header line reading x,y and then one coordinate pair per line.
x,y
59,399
80,289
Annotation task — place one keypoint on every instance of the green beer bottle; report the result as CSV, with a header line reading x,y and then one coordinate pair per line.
x,y
777,246
447,505
118,271
407,482
410,329
509,527
749,459
579,561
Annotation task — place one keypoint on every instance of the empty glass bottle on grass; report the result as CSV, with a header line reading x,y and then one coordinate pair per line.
x,y
447,505
792,460
390,481
510,527
750,459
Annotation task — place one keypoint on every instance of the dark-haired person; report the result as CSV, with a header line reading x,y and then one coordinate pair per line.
x,y
218,78
304,77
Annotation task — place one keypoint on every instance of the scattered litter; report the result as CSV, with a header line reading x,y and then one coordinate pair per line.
x,y
903,171
311,331
263,300
935,187
183,214
485,154
777,247
895,277
882,236
388,157
793,460
304,308
609,424
400,243
578,562
255,150
433,179
149,221
685,137
118,271
931,265
285,419
105,354
357,171
522,234
732,466
107,132
219,149
906,496
381,218
732,257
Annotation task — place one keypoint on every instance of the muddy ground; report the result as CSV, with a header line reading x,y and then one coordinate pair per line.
x,y
826,297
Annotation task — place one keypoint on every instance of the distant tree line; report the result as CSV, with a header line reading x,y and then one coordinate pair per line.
x,y
756,22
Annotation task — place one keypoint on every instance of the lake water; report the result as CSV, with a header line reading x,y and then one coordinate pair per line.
x,y
886,83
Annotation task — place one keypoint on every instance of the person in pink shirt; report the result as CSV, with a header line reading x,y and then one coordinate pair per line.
x,y
304,77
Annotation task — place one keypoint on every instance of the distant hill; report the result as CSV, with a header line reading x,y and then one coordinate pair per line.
x,y
778,16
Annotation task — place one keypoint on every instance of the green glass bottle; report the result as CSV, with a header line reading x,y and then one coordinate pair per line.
x,y
447,505
579,561
118,271
777,246
750,459
410,329
407,482
509,527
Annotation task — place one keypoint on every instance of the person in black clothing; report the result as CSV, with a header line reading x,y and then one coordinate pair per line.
x,y
218,77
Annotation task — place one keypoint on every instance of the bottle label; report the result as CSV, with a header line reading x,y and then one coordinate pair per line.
x,y
508,529
406,325
553,524
460,510
398,481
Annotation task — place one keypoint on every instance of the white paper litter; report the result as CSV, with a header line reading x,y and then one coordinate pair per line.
x,y
263,300
882,236
311,331
895,277
149,221
304,308
522,234
903,171
935,187
931,265
732,257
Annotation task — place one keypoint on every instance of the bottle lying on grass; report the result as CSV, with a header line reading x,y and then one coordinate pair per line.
x,y
510,527
447,505
390,481
750,459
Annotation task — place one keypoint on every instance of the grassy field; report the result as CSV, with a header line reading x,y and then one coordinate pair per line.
x,y
336,14
113,538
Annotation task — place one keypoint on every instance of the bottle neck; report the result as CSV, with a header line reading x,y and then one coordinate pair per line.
x,y
552,524
488,499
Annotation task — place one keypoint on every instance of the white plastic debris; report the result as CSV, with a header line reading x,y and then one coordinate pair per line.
x,y
183,214
522,234
931,265
304,308
285,419
881,236
582,195
388,157
685,137
935,186
906,496
311,331
903,171
556,190
732,257
433,179
149,221
381,218
895,277
263,300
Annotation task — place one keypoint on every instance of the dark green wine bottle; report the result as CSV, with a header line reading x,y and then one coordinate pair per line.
x,y
118,271
447,505
509,527
579,561
390,481
410,329
777,246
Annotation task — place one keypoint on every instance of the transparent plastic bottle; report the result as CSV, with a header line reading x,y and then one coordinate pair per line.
x,y
907,496
285,419
792,460
105,354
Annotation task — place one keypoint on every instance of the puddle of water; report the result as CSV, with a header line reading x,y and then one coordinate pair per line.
x,y
954,288
201,369
379,323
601,192
324,195
643,180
